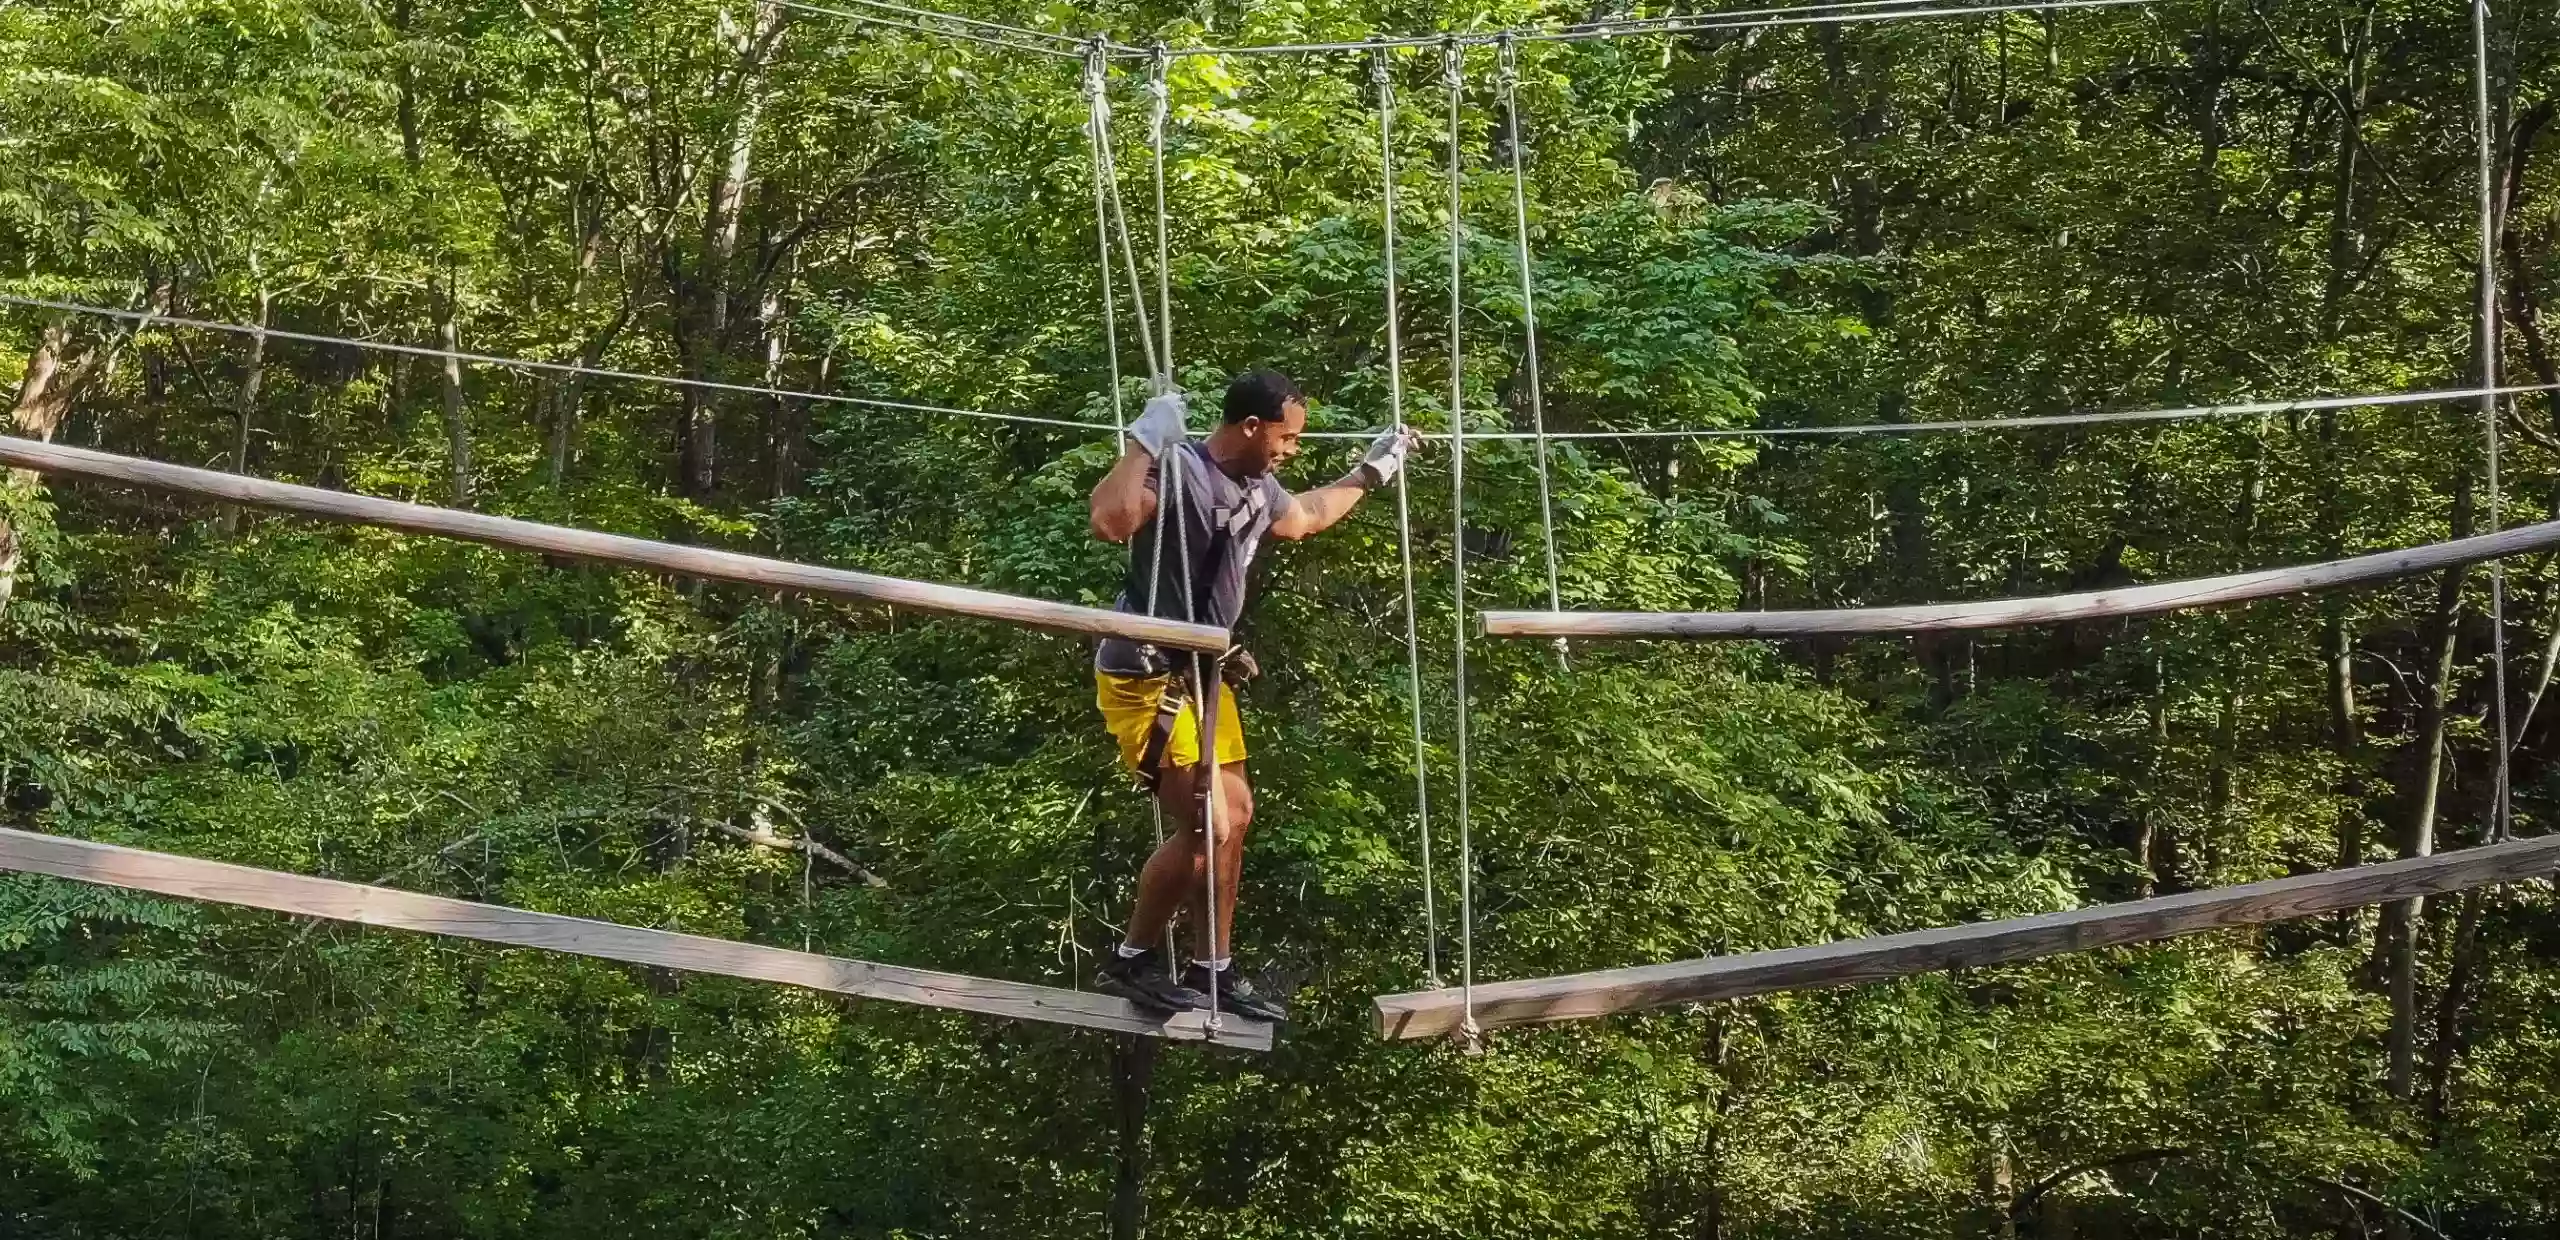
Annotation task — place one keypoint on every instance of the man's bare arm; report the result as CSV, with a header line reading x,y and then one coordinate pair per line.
x,y
1313,512
1125,499
1316,511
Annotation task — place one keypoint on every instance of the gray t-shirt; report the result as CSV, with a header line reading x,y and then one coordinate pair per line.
x,y
1223,522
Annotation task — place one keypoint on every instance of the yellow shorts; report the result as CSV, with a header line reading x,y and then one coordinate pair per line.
x,y
1129,709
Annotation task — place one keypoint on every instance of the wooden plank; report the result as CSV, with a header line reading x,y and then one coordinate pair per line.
x,y
1576,996
222,883
2013,612
580,544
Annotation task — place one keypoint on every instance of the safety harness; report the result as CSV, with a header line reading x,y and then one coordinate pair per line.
x,y
1235,666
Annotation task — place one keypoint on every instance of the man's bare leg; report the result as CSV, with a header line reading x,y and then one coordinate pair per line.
x,y
1166,882
1235,818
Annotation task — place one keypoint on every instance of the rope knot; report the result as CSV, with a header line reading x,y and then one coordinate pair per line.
x,y
1377,64
1160,94
1453,61
1507,76
1094,61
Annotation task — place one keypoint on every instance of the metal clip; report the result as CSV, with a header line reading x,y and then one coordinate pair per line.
x,y
1377,64
1453,62
1508,76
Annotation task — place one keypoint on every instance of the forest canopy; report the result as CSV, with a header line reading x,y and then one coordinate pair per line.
x,y
1968,216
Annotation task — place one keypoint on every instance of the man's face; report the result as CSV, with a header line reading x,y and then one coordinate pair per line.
x,y
1270,445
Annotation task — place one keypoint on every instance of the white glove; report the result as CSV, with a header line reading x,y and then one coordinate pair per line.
x,y
1161,429
1385,457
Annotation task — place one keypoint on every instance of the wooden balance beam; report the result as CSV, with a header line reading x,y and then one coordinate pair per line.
x,y
222,883
1580,995
619,549
2015,612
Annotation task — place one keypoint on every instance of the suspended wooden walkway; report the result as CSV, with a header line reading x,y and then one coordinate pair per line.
x,y
1576,996
223,883
2014,612
559,540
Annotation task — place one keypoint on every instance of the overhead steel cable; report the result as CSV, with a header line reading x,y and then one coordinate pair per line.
x,y
146,318
1056,43
975,30
1647,25
2031,422
1852,11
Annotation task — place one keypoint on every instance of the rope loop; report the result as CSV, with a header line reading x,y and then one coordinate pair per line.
x,y
1160,60
1096,58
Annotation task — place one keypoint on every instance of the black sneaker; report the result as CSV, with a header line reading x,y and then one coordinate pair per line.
x,y
1235,994
1143,980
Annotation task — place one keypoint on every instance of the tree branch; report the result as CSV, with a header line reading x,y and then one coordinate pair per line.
x,y
804,844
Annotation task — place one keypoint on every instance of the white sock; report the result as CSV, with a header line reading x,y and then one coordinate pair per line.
x,y
1131,951
1218,965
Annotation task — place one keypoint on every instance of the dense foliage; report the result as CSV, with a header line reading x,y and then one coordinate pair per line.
x,y
1799,225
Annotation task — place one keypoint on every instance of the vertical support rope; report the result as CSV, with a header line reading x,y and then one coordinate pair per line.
x,y
2500,822
1161,97
1508,83
1098,129
1404,512
1453,72
1208,676
1095,134
1159,382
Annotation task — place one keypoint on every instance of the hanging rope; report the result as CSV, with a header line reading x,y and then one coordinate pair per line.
x,y
1453,72
1507,83
1161,97
1206,674
2501,823
1404,514
1157,381
1095,67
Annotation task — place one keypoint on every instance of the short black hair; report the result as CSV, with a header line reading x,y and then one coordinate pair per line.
x,y
1261,394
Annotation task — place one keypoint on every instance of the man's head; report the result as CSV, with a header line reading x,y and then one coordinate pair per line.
x,y
1265,414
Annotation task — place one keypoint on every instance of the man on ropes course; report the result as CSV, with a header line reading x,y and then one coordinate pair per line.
x,y
1225,498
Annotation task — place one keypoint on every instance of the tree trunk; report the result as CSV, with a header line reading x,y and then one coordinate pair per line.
x,y
457,428
2346,238
1133,1074
44,398
2155,847
2448,1034
2418,829
2522,264
568,399
704,297
2346,735
244,404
